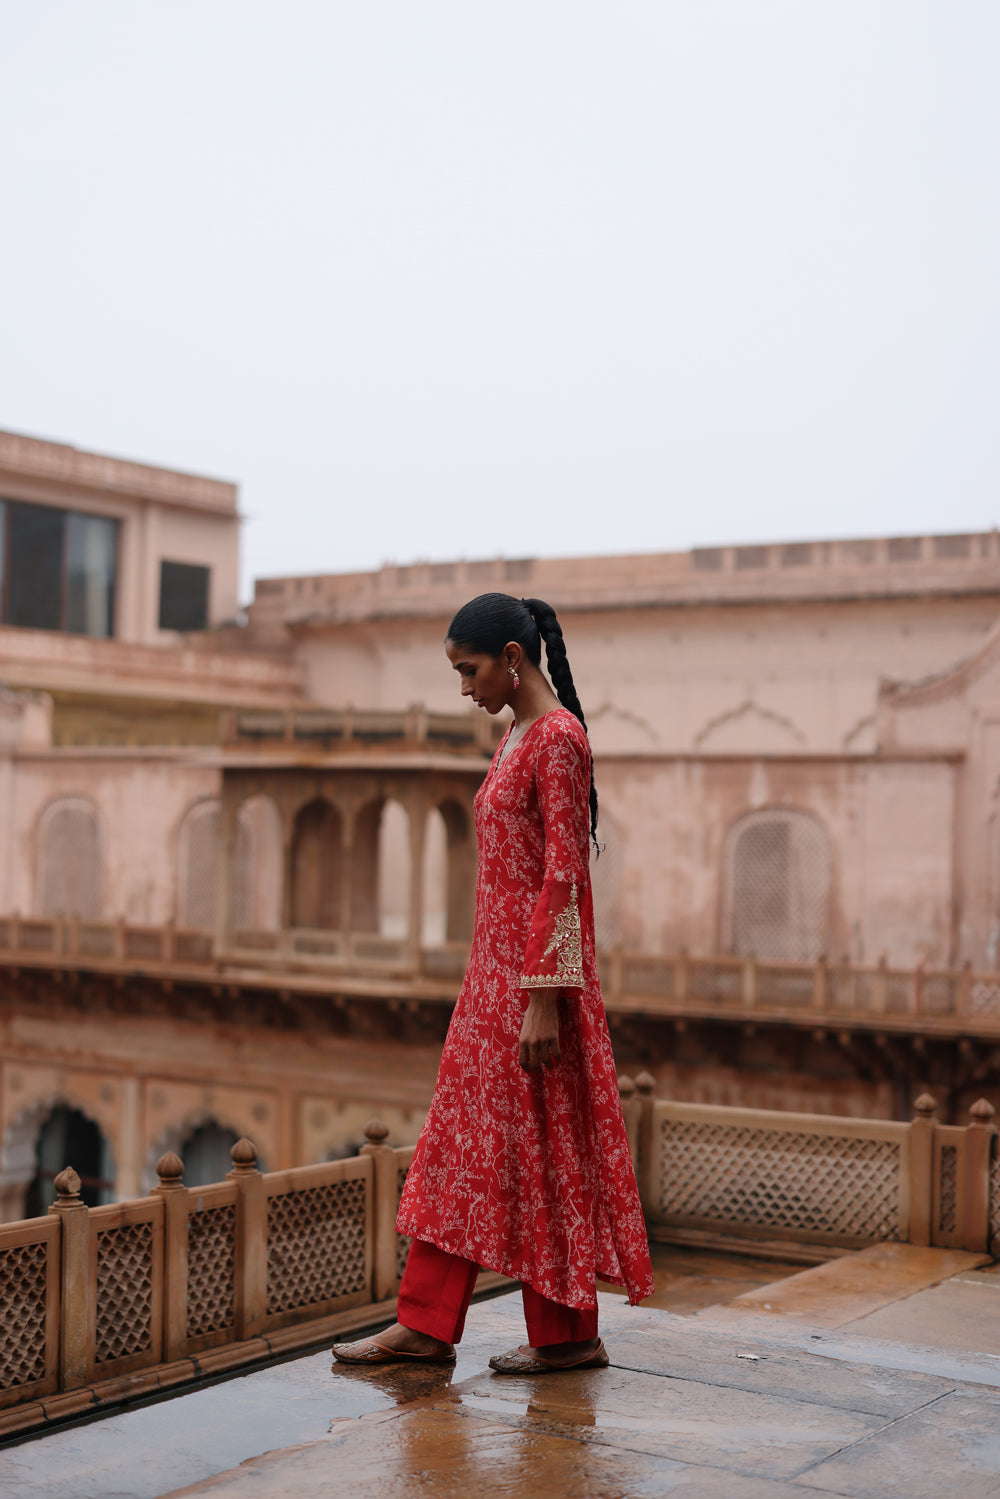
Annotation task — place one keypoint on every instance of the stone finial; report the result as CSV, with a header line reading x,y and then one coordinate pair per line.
x,y
244,1155
67,1184
646,1084
170,1169
376,1133
982,1111
926,1106
626,1087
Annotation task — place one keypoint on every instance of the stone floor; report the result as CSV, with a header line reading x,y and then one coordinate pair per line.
x,y
875,1375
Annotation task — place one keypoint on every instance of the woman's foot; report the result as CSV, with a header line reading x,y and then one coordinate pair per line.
x,y
566,1353
552,1357
406,1340
397,1345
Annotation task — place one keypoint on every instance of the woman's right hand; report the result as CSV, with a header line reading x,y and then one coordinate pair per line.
x,y
538,1043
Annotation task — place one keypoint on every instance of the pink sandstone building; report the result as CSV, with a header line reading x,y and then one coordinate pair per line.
x,y
798,759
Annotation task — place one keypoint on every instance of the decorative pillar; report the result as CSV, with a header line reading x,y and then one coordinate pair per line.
x,y
74,1281
170,1170
250,1290
385,1203
224,869
978,1162
922,1170
416,807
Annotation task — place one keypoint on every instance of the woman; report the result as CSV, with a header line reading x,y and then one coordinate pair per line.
x,y
523,1164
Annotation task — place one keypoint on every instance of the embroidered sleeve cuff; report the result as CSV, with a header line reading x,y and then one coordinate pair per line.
x,y
554,957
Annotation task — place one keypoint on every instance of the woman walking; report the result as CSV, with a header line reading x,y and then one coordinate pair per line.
x,y
523,1164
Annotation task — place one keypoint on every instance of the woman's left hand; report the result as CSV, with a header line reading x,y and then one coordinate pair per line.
x,y
538,1043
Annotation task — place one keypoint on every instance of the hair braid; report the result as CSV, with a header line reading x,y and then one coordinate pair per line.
x,y
561,678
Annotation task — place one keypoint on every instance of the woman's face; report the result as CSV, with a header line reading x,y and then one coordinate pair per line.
x,y
486,679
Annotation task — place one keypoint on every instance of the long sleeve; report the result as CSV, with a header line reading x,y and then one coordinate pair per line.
x,y
554,953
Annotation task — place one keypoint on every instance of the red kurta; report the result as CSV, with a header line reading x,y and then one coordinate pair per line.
x,y
529,1173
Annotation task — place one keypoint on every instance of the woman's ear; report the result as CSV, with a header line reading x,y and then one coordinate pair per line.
x,y
513,655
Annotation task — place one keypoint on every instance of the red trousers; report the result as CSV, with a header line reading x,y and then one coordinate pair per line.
x,y
437,1287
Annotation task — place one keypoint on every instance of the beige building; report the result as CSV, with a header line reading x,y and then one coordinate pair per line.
x,y
798,754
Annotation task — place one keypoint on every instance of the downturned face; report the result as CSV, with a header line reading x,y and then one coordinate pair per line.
x,y
485,679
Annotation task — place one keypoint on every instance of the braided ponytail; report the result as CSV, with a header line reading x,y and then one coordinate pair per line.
x,y
561,678
488,622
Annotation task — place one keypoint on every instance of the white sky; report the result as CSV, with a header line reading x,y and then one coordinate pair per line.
x,y
464,278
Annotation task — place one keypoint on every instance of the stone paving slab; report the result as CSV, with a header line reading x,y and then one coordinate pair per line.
x,y
843,1290
744,1432
960,1314
952,1447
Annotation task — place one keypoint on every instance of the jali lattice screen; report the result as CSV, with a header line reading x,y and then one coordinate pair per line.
x,y
780,1179
315,1245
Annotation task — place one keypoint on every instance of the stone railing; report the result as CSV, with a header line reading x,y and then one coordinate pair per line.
x,y
708,1172
107,1304
354,729
944,1000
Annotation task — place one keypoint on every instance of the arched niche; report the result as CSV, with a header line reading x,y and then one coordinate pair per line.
x,y
317,857
391,917
69,859
257,867
69,1137
449,874
777,886
205,1152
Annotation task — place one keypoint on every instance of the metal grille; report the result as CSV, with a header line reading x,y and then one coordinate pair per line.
x,y
948,1212
403,1242
780,1180
315,1245
985,999
23,1279
778,886
124,1291
211,1270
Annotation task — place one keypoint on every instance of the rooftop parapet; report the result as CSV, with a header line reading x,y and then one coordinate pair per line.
x,y
63,464
854,568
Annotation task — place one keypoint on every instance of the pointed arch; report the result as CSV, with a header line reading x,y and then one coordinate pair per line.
x,y
317,856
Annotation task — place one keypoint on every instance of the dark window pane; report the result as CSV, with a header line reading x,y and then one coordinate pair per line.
x,y
3,558
91,555
34,578
183,596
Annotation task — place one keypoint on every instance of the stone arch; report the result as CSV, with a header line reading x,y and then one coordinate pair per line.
x,y
50,1136
258,847
777,885
177,1136
449,874
69,859
257,866
316,866
392,871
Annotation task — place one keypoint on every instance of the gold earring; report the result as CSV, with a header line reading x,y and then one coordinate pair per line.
x,y
517,679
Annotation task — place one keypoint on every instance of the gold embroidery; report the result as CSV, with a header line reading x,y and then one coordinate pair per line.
x,y
567,944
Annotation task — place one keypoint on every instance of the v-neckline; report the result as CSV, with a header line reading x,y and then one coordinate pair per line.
x,y
504,755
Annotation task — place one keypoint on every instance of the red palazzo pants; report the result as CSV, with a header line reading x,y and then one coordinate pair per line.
x,y
437,1287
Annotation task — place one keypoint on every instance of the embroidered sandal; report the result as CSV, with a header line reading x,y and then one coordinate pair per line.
x,y
518,1361
371,1351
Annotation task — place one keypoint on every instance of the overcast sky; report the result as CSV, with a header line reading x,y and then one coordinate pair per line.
x,y
462,279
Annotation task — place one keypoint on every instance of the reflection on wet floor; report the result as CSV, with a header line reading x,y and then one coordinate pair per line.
x,y
688,1280
152,1450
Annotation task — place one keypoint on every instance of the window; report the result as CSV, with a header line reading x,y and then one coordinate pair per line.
x,y
57,569
183,596
777,886
70,860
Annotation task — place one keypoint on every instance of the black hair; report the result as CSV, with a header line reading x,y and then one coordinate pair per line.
x,y
487,623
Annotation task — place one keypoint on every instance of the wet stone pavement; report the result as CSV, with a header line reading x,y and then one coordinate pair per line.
x,y
735,1402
